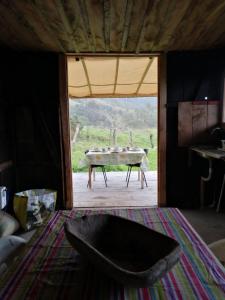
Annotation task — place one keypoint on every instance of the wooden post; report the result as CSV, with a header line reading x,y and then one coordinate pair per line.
x,y
87,133
66,167
110,136
151,140
130,139
114,136
162,99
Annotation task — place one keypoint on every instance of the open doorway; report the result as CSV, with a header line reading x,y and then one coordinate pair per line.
x,y
145,85
105,124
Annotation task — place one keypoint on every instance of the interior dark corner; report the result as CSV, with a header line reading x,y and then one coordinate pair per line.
x,y
55,51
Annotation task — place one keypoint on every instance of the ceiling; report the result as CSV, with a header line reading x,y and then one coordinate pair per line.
x,y
112,77
116,26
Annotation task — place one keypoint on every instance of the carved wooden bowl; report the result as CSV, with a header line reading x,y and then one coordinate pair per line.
x,y
127,251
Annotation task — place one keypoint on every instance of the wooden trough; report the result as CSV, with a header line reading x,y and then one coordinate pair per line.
x,y
129,252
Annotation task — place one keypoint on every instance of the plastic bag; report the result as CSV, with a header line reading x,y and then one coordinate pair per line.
x,y
31,206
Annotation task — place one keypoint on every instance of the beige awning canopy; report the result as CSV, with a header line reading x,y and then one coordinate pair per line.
x,y
112,76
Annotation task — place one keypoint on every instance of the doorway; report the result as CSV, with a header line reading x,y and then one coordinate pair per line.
x,y
161,90
104,124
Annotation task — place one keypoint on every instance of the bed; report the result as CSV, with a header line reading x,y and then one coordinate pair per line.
x,y
51,269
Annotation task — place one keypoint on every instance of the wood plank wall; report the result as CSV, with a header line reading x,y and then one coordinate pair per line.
x,y
6,153
191,76
196,120
31,86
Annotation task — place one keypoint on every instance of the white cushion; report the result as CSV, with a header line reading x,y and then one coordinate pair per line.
x,y
218,248
10,247
8,224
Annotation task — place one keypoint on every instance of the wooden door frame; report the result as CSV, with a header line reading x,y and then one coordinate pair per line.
x,y
162,130
66,167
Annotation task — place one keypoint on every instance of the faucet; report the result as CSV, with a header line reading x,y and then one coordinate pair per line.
x,y
214,130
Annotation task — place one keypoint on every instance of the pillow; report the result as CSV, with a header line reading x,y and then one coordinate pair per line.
x,y
218,248
10,247
8,224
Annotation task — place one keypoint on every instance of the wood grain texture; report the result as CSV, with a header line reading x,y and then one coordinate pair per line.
x,y
65,134
199,123
162,137
112,26
184,124
213,115
116,194
196,120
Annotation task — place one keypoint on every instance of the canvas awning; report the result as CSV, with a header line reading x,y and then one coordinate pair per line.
x,y
112,76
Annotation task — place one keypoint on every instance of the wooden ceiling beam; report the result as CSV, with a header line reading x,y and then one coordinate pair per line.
x,y
18,27
86,25
38,23
203,18
215,27
163,26
114,54
144,74
127,21
142,27
219,40
7,38
53,23
106,13
72,9
91,26
182,11
66,23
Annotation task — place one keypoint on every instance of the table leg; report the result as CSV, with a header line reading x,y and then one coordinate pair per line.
x,y
142,179
94,174
89,177
221,195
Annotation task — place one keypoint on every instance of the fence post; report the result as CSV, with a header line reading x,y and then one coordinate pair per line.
x,y
131,139
114,136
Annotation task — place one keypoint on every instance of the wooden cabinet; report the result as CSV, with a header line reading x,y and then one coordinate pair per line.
x,y
195,121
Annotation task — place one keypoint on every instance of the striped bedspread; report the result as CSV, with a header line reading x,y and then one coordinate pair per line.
x,y
51,269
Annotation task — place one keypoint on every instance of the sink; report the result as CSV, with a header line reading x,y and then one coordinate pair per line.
x,y
209,151
129,252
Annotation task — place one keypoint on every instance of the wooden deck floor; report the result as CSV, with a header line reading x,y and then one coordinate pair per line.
x,y
116,194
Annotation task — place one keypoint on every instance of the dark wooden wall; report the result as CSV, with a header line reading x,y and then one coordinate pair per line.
x,y
7,174
30,121
29,118
191,76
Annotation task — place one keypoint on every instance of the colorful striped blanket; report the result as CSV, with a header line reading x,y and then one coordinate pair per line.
x,y
51,269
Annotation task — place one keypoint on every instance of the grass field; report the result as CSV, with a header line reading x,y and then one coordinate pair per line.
x,y
90,137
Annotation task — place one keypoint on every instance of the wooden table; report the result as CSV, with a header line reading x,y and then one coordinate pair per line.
x,y
109,158
49,268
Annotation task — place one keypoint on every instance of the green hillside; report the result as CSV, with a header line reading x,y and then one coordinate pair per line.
x,y
97,117
117,112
